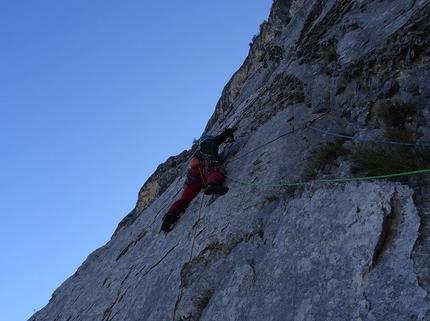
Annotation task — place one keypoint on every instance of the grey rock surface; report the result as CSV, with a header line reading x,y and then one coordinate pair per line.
x,y
273,248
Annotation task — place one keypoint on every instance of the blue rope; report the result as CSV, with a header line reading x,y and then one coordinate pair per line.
x,y
367,139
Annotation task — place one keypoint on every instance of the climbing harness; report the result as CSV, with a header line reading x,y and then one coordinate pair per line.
x,y
213,162
210,161
192,178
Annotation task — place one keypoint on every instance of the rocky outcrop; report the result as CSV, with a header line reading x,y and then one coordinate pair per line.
x,y
312,227
156,184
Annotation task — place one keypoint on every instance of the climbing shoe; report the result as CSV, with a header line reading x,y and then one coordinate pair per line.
x,y
167,222
219,190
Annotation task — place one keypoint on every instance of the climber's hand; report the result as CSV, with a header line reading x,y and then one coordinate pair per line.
x,y
230,139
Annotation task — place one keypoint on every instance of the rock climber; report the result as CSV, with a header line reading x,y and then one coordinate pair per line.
x,y
204,171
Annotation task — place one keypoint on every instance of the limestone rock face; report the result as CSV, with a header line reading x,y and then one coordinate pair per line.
x,y
304,233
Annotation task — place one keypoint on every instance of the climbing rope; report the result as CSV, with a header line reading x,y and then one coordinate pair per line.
x,y
367,139
255,149
279,137
337,180
192,244
334,180
198,219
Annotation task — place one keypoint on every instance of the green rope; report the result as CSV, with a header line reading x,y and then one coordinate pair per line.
x,y
335,180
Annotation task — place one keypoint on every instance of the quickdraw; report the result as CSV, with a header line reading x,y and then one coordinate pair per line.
x,y
213,162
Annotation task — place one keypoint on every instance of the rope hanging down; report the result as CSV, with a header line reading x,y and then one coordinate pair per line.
x,y
192,249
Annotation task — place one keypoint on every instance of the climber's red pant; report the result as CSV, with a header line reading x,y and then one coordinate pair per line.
x,y
213,177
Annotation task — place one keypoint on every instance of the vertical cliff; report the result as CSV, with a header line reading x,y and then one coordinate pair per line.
x,y
327,217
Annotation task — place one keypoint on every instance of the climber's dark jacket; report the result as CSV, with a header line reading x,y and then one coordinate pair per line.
x,y
209,147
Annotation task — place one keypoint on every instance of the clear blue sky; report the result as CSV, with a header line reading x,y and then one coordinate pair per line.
x,y
94,95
